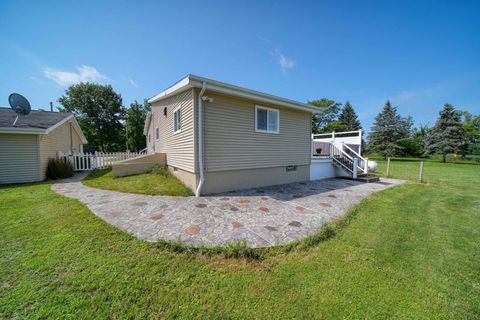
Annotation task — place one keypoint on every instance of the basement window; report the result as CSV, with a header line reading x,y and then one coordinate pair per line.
x,y
177,120
290,168
267,120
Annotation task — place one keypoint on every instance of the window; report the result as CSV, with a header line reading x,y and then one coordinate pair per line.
x,y
149,138
157,133
177,120
267,120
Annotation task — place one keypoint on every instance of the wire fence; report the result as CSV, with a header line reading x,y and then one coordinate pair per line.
x,y
428,171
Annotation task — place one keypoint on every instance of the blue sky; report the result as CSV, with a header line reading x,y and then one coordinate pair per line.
x,y
418,54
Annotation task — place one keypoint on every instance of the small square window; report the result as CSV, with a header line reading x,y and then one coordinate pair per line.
x,y
177,120
267,120
157,133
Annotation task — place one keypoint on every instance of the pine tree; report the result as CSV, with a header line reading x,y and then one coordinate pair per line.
x,y
448,134
349,118
389,128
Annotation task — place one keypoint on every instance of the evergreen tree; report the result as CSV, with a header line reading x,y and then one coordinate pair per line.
x,y
135,120
448,134
349,118
388,130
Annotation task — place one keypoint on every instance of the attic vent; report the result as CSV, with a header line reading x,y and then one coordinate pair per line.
x,y
165,111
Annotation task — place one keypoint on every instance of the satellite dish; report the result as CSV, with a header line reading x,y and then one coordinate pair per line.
x,y
19,104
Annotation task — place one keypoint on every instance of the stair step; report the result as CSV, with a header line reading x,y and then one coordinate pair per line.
x,y
363,178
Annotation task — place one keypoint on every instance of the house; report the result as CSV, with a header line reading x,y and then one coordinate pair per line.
x,y
26,147
219,137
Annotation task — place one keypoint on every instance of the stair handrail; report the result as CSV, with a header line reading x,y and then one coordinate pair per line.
x,y
344,154
365,161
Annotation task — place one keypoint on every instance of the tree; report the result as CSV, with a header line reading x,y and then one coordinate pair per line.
x,y
471,125
448,134
388,131
135,120
99,112
349,118
329,113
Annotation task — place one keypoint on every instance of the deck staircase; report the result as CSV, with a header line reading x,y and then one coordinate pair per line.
x,y
352,163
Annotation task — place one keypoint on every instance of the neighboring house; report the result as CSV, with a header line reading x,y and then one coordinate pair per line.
x,y
240,138
26,147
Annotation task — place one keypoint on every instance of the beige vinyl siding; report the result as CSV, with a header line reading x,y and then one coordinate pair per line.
x,y
231,142
57,140
19,158
179,147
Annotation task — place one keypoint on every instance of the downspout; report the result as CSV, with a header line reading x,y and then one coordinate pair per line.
x,y
200,140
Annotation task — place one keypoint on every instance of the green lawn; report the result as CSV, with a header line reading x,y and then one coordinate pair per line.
x,y
412,252
158,182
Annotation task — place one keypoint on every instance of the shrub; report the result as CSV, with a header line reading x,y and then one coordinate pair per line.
x,y
160,170
59,169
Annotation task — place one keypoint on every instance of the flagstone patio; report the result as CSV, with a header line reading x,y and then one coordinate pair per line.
x,y
262,217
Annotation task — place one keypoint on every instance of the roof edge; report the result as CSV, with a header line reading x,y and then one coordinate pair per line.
x,y
192,81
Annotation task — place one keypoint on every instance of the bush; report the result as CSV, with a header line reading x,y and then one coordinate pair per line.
x,y
59,169
160,170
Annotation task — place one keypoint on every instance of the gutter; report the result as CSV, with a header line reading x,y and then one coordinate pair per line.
x,y
200,139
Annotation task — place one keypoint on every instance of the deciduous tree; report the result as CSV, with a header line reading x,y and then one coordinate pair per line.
x,y
100,113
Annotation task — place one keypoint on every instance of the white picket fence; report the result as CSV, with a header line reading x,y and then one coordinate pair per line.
x,y
98,160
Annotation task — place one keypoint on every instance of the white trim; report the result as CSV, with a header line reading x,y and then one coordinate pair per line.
x,y
22,130
178,86
179,108
146,126
58,124
268,109
192,81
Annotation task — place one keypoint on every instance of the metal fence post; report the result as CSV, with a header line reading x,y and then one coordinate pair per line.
x,y
420,176
388,166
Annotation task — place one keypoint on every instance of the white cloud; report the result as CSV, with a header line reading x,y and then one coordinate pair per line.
x,y
83,74
285,63
133,83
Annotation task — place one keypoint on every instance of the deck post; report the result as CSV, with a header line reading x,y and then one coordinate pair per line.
x,y
388,166
355,168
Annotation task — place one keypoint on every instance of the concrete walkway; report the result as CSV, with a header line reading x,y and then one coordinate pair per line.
x,y
262,217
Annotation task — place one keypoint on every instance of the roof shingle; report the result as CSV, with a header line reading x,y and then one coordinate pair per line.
x,y
35,119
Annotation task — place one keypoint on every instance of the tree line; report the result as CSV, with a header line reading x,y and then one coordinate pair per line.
x,y
106,123
109,126
454,132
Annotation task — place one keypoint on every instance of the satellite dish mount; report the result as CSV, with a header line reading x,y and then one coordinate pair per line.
x,y
20,105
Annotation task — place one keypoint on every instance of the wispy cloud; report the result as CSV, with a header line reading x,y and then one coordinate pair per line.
x,y
133,83
83,74
284,62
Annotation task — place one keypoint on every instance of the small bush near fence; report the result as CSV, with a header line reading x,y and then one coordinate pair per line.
x,y
59,169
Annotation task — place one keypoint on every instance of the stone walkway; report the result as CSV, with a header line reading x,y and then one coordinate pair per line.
x,y
262,217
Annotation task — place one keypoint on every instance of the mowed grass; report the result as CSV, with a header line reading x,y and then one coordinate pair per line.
x,y
158,182
412,252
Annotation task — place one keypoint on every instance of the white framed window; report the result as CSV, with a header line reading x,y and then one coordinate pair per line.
x,y
157,133
149,138
177,120
267,120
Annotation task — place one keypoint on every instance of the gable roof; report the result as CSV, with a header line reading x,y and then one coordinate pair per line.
x,y
192,81
36,122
